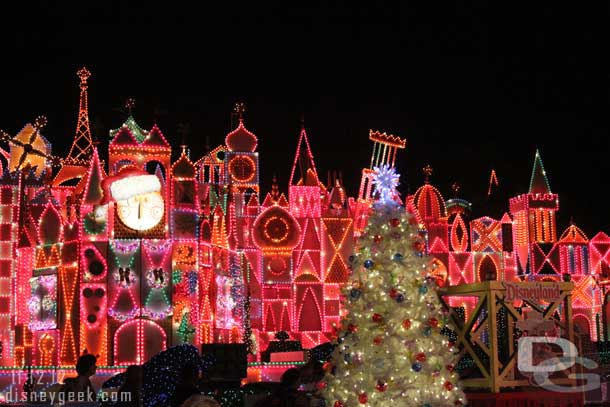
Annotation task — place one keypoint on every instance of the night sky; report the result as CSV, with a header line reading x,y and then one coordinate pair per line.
x,y
471,87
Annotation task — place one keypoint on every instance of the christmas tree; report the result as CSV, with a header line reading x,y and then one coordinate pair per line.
x,y
390,348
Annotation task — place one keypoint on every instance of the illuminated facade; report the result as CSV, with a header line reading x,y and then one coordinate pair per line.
x,y
127,257
521,245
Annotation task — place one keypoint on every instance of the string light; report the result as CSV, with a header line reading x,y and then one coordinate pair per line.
x,y
291,253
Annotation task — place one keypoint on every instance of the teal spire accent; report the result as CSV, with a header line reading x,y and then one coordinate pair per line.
x,y
539,184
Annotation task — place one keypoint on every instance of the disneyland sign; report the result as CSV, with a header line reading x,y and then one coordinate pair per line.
x,y
535,291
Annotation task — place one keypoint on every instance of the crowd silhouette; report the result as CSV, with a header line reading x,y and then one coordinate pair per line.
x,y
297,387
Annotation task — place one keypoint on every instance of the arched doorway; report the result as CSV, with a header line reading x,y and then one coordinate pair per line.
x,y
149,339
488,270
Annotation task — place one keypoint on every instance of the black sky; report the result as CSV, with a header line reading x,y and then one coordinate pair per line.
x,y
471,87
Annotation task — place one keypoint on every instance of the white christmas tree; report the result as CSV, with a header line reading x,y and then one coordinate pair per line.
x,y
390,350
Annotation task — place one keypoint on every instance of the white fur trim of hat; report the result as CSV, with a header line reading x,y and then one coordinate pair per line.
x,y
125,188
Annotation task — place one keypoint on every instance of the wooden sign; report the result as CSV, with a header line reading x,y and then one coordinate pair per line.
x,y
532,291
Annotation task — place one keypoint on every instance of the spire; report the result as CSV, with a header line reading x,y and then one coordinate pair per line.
x,y
82,146
539,184
428,170
493,181
91,184
304,160
130,103
456,189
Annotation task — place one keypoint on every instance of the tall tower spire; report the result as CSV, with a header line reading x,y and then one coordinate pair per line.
x,y
77,162
304,164
539,184
82,146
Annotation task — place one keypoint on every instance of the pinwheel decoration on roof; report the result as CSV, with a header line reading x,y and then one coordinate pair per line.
x,y
29,149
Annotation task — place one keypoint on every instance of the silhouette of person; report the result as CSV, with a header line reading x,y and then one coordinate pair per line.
x,y
79,388
189,374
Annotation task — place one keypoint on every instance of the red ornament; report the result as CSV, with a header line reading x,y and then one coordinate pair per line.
x,y
406,324
377,238
352,328
381,386
321,385
449,368
448,385
378,340
327,367
433,322
377,318
338,404
395,222
363,398
418,246
420,357
451,344
393,293
412,220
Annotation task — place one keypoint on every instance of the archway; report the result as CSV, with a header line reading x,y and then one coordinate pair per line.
x,y
488,270
149,339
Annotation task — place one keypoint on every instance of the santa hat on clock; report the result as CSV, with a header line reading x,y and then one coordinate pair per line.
x,y
127,183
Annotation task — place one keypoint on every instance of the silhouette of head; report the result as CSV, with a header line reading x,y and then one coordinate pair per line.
x,y
133,375
290,378
85,365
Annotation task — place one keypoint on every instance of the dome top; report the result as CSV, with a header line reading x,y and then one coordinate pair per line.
x,y
241,139
430,203
573,234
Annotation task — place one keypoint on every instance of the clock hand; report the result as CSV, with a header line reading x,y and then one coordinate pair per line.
x,y
139,208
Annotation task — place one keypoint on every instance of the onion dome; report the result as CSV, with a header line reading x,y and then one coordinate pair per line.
x,y
430,203
241,139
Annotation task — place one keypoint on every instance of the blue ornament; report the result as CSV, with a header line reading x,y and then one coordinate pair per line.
x,y
427,331
347,357
397,257
400,298
368,264
355,293
426,405
416,367
423,289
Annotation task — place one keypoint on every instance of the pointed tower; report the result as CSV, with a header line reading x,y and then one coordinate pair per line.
x,y
534,214
76,163
184,209
304,186
82,147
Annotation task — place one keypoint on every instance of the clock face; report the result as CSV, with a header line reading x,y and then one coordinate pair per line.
x,y
141,212
242,168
